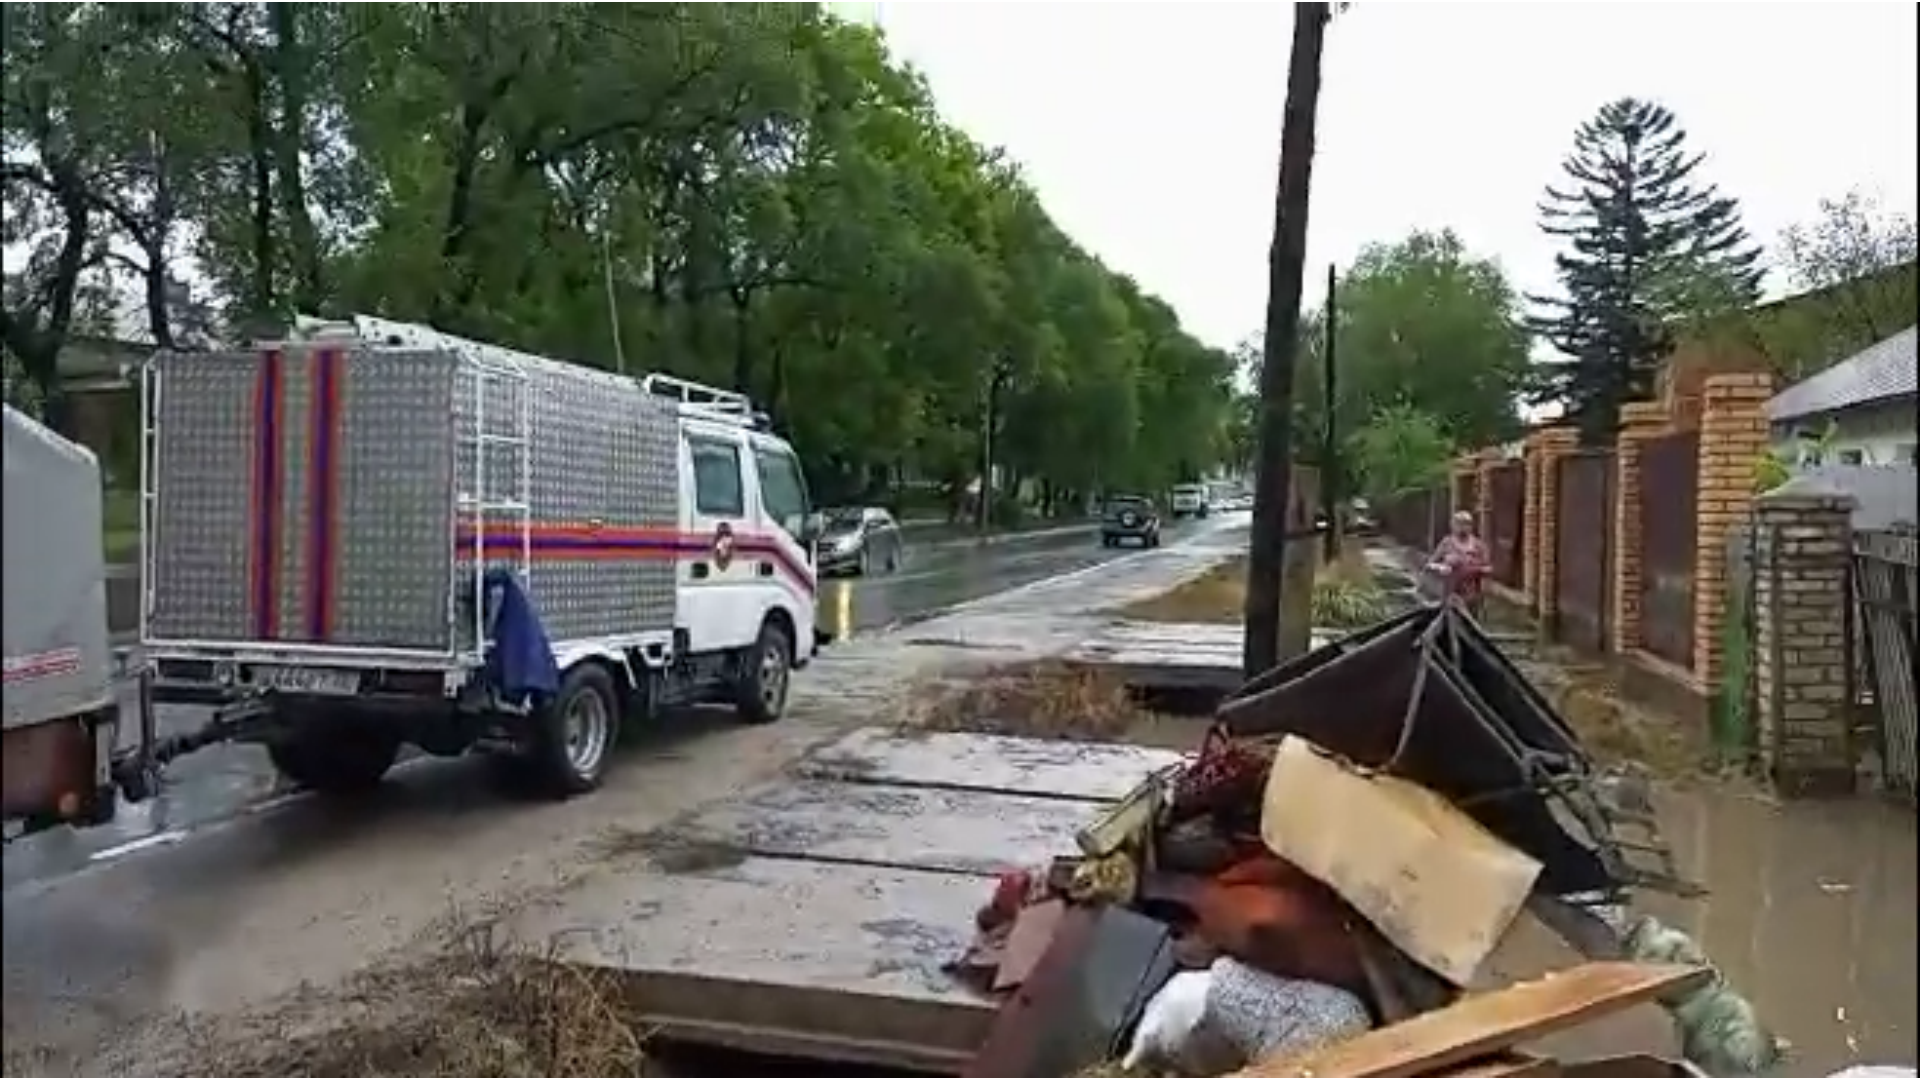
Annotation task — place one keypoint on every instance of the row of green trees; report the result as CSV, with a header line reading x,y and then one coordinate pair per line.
x,y
752,195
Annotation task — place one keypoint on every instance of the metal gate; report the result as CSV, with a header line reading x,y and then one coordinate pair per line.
x,y
1583,550
1506,521
1669,479
1886,587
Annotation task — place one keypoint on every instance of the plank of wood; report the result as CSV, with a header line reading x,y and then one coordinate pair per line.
x,y
1487,1023
1512,1063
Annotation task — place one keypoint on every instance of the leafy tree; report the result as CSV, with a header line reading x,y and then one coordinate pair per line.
x,y
1421,322
1646,245
751,195
1855,265
1399,448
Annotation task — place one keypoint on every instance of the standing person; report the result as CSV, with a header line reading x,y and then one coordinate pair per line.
x,y
1460,561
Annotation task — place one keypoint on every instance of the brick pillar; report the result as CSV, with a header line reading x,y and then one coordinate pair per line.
x,y
1639,421
1484,464
1543,529
1733,436
1801,550
1530,523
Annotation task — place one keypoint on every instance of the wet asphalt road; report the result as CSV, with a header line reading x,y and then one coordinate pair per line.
x,y
224,782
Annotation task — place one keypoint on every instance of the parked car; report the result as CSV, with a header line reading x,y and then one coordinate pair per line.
x,y
1130,517
859,540
1190,500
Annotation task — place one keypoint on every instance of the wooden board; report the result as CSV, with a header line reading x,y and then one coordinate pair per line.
x,y
1513,1063
1489,1023
1003,763
919,828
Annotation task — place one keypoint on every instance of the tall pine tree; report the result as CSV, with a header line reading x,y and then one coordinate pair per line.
x,y
1647,248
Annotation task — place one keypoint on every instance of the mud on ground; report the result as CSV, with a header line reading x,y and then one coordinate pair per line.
x,y
1049,700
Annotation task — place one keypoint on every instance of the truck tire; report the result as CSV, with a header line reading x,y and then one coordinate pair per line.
x,y
766,672
574,734
336,759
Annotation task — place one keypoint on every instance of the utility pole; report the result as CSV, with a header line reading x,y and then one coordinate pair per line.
x,y
1273,477
1330,427
996,385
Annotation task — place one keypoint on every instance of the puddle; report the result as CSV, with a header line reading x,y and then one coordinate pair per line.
x,y
1810,913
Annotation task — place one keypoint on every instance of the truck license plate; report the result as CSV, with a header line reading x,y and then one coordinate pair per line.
x,y
306,680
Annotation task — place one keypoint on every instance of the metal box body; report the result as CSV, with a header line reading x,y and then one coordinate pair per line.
x,y
332,495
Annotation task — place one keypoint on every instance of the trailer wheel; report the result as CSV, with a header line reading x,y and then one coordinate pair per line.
x,y
768,668
336,759
574,734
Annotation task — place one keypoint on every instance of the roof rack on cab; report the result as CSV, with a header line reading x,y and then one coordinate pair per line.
x,y
707,402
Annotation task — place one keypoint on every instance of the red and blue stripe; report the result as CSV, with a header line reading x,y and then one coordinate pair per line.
x,y
269,400
550,541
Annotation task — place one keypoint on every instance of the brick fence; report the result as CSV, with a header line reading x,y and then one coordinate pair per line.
x,y
1604,558
1803,547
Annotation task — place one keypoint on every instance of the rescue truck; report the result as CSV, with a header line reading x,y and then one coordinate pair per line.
x,y
373,534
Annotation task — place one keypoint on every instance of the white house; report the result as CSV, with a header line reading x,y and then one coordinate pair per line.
x,y
1860,411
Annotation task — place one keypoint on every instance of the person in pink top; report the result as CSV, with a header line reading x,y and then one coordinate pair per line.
x,y
1461,560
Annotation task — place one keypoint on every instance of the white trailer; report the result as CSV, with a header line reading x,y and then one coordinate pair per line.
x,y
64,685
375,534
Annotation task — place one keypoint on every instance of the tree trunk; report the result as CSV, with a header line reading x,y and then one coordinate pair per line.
x,y
290,65
1286,259
263,297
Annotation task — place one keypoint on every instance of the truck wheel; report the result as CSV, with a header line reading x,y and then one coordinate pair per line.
x,y
767,669
575,732
336,759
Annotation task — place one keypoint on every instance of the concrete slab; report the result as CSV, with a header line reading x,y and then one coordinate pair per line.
x,y
815,916
1171,656
1001,763
895,826
784,955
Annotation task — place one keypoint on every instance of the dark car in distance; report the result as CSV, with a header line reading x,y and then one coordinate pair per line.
x,y
1130,517
859,540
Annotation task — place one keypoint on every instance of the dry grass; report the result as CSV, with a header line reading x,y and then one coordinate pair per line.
x,y
475,1007
1048,700
1345,593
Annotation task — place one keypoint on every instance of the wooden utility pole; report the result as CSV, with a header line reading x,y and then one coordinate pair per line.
x,y
1273,475
1330,424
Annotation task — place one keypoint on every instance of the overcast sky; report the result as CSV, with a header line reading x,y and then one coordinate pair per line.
x,y
1152,130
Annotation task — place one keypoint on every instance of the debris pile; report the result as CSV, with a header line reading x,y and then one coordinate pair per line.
x,y
1314,890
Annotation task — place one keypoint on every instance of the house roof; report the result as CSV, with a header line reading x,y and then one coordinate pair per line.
x,y
1880,373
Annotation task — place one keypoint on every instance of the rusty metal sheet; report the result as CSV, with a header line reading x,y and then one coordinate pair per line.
x,y
1506,521
965,832
1583,557
1002,763
781,955
1669,534
1087,990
